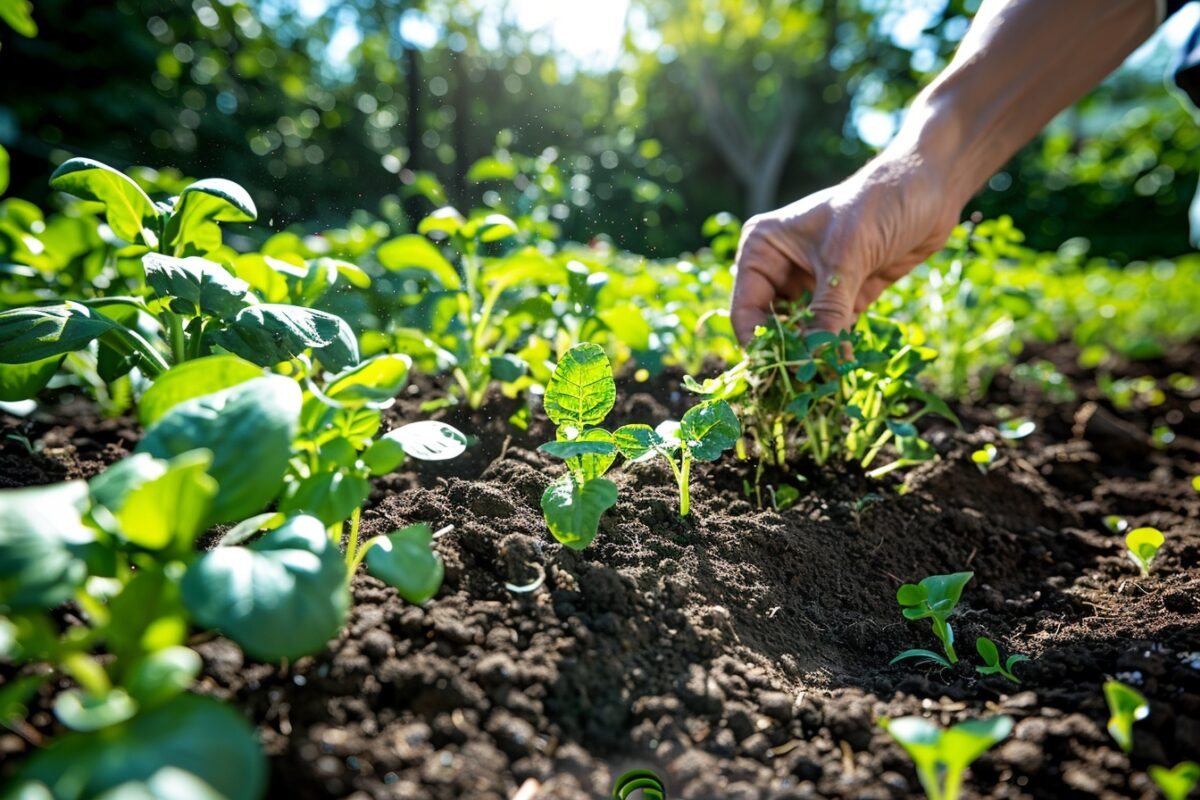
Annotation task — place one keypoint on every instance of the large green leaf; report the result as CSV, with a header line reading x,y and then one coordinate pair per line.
x,y
709,429
196,284
129,211
40,332
282,596
405,560
417,252
249,429
23,381
573,511
272,332
329,496
167,509
201,205
581,391
194,378
375,382
41,537
195,734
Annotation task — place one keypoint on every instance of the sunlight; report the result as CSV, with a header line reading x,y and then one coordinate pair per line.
x,y
589,32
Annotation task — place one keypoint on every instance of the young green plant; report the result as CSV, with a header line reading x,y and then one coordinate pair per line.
x,y
991,658
1126,706
1176,783
941,756
935,599
1142,545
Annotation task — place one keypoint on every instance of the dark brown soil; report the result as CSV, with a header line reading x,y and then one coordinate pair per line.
x,y
741,653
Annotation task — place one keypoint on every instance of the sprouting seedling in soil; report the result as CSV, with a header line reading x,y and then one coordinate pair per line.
x,y
706,430
1196,483
862,504
933,598
1126,706
1143,544
991,658
1176,783
941,756
985,457
1116,524
639,780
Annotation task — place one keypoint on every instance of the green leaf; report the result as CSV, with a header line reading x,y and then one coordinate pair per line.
x,y
374,382
490,228
924,655
987,651
429,440
967,741
163,674
329,496
167,783
128,210
590,463
16,693
413,251
196,734
579,447
3,152
37,333
81,711
1126,706
709,429
507,368
272,332
1176,783
383,456
249,429
911,594
491,168
405,560
169,509
581,390
1143,544
445,220
194,378
24,381
637,441
42,536
282,596
196,284
193,228
572,511
19,16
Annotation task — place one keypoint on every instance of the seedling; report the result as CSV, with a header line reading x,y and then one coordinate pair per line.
x,y
1126,706
991,658
1143,545
1196,483
1116,524
645,781
706,430
985,457
942,756
1178,782
862,504
934,598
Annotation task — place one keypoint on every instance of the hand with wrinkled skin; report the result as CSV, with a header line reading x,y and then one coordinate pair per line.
x,y
1021,62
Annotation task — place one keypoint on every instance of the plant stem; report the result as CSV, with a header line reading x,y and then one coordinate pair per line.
x,y
175,332
685,499
352,547
195,337
88,673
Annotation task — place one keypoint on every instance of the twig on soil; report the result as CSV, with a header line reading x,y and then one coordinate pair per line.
x,y
443,531
971,557
503,452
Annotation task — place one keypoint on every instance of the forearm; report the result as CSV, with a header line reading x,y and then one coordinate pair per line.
x,y
1020,64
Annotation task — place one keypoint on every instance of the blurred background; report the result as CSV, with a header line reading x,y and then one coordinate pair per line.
x,y
635,119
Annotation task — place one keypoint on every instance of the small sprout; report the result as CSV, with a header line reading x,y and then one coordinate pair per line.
x,y
1162,436
1196,483
639,780
1116,524
861,505
1127,706
933,598
1143,544
985,457
1017,428
941,756
1176,783
991,657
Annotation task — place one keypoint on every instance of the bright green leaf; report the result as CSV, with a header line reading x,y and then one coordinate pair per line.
x,y
573,511
128,210
406,561
194,378
582,390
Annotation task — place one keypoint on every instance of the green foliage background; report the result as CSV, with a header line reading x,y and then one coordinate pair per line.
x,y
716,105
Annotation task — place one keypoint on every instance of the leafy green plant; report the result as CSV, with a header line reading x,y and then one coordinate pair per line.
x,y
991,658
706,431
1177,782
645,781
935,599
1126,706
941,756
803,393
985,457
579,396
1142,545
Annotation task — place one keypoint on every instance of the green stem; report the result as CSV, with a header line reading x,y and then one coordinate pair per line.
x,y
929,779
685,499
352,547
195,337
153,364
88,673
175,334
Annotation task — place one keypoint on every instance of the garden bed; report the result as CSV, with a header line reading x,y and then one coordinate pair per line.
x,y
740,653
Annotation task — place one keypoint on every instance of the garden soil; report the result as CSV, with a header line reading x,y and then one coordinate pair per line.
x,y
741,653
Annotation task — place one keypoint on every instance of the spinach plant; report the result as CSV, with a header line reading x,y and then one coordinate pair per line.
x,y
1142,545
706,430
579,396
1177,782
935,599
941,756
991,659
1126,706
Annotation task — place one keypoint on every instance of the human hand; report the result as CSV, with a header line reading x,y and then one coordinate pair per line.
x,y
845,244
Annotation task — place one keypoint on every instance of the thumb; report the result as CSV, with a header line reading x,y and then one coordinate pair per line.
x,y
833,303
